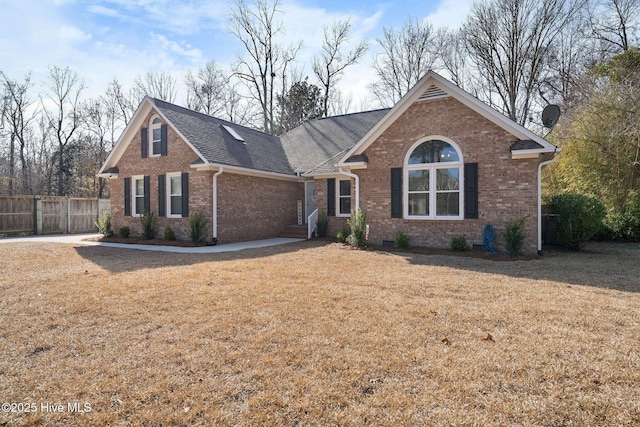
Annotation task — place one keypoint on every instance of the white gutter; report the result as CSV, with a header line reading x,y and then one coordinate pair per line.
x,y
540,165
214,221
357,181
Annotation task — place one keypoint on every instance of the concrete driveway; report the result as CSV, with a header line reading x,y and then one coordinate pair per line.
x,y
82,239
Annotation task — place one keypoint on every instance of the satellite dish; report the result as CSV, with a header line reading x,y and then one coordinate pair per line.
x,y
550,116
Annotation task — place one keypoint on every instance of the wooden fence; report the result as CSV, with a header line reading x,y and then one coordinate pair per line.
x,y
50,214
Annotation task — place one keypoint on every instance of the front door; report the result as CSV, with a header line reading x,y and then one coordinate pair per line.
x,y
309,205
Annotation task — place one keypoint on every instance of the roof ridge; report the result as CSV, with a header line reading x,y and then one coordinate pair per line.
x,y
352,114
209,117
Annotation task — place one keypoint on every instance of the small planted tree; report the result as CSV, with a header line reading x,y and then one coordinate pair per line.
x,y
104,225
357,225
514,235
197,227
149,222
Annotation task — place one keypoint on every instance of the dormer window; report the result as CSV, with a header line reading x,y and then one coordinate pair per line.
x,y
155,134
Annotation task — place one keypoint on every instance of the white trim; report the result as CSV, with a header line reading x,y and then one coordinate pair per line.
x,y
134,194
150,128
433,78
129,133
338,197
532,153
540,165
214,220
432,208
245,171
168,177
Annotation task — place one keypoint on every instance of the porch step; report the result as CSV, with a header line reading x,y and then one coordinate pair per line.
x,y
295,232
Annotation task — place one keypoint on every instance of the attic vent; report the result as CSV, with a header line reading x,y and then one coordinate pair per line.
x,y
233,133
432,92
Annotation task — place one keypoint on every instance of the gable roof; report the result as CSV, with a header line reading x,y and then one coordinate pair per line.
x,y
216,144
434,86
313,143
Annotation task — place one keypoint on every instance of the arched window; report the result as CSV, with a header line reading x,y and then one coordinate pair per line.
x,y
433,175
155,135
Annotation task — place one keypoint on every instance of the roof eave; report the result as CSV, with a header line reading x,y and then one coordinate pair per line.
x,y
244,171
532,154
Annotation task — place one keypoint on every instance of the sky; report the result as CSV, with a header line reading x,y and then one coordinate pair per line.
x,y
103,39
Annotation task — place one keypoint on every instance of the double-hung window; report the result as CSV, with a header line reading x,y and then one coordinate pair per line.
x,y
174,195
137,193
433,173
344,197
155,130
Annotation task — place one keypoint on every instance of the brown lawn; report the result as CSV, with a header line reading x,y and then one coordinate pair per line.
x,y
315,333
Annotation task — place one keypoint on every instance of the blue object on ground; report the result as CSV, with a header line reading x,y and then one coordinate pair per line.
x,y
489,235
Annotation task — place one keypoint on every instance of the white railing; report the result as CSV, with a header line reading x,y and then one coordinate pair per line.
x,y
312,223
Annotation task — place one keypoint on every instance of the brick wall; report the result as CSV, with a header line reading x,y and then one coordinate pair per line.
x,y
248,207
252,208
507,187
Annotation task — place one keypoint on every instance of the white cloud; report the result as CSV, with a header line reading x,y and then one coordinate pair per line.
x,y
72,35
450,13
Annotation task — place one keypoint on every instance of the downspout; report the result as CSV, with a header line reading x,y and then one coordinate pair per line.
x,y
357,182
214,233
540,165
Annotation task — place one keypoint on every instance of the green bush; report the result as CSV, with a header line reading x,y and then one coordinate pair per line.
x,y
459,244
343,234
169,234
402,240
149,222
579,218
197,227
514,235
322,225
357,223
124,232
104,225
622,226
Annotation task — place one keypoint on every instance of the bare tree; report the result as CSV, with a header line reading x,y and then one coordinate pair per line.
x,y
331,63
256,27
206,89
17,114
509,44
99,128
453,55
408,54
122,104
62,111
156,84
615,23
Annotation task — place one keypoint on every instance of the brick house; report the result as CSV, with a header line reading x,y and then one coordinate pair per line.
x,y
438,165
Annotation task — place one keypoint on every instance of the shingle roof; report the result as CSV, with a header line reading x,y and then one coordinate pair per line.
x,y
312,144
259,151
525,144
309,146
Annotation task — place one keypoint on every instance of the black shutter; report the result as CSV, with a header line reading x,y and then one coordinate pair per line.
x,y
144,143
163,140
331,197
471,190
161,196
396,192
127,197
185,194
147,194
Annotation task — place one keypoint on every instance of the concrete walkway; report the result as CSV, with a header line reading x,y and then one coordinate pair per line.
x,y
80,239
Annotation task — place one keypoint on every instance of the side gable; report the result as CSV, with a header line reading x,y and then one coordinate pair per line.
x,y
110,167
433,86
